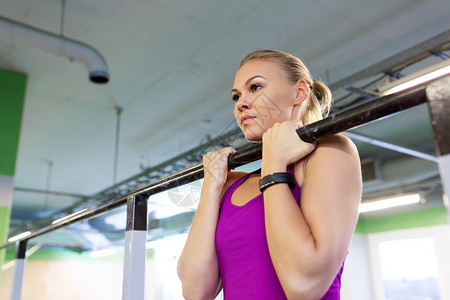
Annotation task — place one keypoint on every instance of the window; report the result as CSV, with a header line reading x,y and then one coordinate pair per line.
x,y
409,269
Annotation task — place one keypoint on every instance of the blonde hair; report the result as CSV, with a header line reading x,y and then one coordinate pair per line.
x,y
319,101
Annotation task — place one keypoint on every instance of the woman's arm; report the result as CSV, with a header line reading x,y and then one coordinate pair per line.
x,y
308,244
197,266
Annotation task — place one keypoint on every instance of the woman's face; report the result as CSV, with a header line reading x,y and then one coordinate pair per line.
x,y
263,96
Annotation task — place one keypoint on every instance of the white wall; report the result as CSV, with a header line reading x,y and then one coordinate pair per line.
x,y
68,280
82,279
356,278
362,274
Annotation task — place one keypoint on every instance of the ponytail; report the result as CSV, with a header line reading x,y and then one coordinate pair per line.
x,y
319,103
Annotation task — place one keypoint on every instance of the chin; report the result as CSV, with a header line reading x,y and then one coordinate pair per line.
x,y
252,134
252,137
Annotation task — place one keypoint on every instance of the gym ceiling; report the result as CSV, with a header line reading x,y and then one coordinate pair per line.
x,y
171,67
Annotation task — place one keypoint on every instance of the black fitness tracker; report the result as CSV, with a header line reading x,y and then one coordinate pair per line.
x,y
275,178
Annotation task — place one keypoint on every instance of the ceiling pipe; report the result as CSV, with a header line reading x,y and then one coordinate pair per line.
x,y
397,148
58,45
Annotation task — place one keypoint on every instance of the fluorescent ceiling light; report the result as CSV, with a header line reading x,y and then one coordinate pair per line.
x,y
416,78
68,216
389,202
19,236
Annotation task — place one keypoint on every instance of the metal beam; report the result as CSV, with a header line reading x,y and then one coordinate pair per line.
x,y
414,53
38,191
390,146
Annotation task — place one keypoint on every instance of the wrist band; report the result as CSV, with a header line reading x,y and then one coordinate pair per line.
x,y
275,178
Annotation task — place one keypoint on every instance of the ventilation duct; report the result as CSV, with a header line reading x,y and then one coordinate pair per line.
x,y
369,170
400,172
58,45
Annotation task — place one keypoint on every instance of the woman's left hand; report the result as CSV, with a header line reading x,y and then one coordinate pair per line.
x,y
282,146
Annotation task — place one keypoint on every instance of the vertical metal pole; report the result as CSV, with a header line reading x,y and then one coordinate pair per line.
x,y
135,249
19,271
116,143
438,94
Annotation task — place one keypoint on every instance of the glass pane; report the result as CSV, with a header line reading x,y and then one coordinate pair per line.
x,y
171,215
409,269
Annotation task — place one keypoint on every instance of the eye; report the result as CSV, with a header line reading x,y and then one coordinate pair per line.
x,y
254,87
235,97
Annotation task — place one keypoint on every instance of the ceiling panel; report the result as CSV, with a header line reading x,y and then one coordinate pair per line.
x,y
172,66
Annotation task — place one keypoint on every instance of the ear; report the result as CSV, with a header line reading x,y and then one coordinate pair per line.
x,y
302,92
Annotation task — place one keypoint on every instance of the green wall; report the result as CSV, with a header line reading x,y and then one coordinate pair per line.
x,y
12,97
419,218
5,213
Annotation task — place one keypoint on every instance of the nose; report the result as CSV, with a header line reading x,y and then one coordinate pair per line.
x,y
244,102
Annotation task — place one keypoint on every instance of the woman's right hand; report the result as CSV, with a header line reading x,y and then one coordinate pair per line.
x,y
216,167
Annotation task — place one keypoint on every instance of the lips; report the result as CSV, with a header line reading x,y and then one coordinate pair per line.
x,y
246,119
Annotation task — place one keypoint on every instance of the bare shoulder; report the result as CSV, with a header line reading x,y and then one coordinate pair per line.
x,y
337,142
335,159
336,151
332,155
232,178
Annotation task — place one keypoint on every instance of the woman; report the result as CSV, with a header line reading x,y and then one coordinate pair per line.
x,y
265,236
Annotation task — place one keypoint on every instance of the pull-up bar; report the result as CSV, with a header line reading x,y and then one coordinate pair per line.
x,y
333,124
342,121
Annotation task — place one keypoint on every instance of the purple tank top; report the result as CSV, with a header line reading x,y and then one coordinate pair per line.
x,y
243,255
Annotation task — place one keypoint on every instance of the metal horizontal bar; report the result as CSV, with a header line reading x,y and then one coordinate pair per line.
x,y
333,124
343,121
390,146
38,191
416,52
